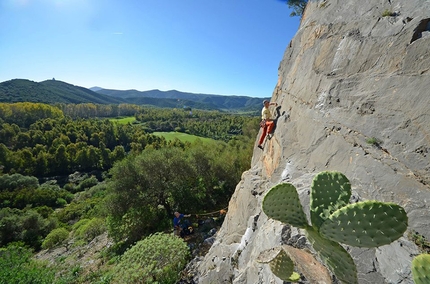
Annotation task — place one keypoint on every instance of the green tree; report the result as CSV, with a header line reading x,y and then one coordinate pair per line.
x,y
298,6
23,139
118,153
41,164
8,134
105,157
5,158
61,160
26,226
28,162
143,189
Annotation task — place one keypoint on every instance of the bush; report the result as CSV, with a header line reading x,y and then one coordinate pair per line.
x,y
17,181
69,187
44,211
87,229
87,183
55,237
61,202
27,226
373,141
16,267
158,258
388,13
78,209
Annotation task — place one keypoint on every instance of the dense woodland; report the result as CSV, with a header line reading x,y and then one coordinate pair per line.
x,y
68,172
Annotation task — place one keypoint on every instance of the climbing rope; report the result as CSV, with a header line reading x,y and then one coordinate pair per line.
x,y
221,212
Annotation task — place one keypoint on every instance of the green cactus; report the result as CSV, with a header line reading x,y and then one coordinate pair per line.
x,y
330,191
366,224
283,204
283,267
334,256
421,269
334,221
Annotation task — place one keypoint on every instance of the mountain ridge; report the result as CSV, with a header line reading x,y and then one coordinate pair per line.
x,y
55,91
211,100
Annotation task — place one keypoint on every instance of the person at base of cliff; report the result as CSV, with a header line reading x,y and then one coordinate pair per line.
x,y
267,122
181,228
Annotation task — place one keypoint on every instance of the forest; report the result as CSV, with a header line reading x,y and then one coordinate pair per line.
x,y
69,173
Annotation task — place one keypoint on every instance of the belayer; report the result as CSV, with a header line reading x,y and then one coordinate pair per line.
x,y
181,226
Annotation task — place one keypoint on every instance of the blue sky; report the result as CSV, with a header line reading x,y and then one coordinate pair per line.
x,y
224,47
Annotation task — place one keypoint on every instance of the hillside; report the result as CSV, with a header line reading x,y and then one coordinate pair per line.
x,y
50,91
54,91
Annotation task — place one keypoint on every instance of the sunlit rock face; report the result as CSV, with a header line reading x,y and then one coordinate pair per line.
x,y
354,90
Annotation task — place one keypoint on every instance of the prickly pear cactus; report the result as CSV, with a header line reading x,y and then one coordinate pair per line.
x,y
366,224
334,221
421,269
282,203
330,191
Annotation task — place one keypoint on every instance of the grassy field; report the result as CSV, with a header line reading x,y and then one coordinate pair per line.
x,y
123,120
183,137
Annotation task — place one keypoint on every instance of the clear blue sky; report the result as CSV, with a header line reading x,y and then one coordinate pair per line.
x,y
224,47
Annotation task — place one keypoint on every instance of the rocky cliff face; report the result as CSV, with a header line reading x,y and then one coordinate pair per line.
x,y
354,90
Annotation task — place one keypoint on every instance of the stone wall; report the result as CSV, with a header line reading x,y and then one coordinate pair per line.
x,y
354,91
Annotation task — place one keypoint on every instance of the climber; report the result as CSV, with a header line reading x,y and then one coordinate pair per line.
x,y
182,228
267,122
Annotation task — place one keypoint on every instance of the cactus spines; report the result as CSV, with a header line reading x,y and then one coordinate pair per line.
x,y
282,203
366,224
329,191
421,269
334,256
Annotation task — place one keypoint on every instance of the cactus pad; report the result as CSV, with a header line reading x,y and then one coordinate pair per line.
x,y
421,269
282,203
329,192
334,256
283,267
366,224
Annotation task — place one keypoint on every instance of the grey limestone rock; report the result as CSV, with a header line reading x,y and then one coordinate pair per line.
x,y
356,86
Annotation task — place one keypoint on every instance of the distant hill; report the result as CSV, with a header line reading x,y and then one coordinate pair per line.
x,y
54,91
50,92
186,99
